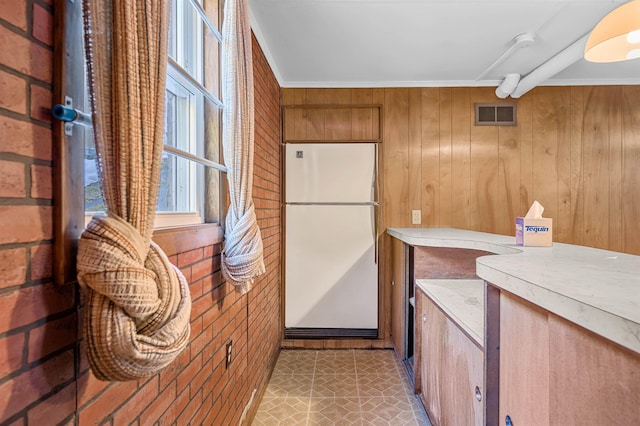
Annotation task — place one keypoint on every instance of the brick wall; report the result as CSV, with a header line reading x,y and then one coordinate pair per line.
x,y
44,374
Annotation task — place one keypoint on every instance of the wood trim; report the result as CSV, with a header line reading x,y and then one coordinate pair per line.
x,y
68,150
491,355
322,123
181,239
328,106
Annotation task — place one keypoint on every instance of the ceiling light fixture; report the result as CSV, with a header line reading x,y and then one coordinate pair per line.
x,y
519,42
508,85
617,35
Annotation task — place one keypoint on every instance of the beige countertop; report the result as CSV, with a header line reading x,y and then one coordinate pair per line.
x,y
595,289
462,301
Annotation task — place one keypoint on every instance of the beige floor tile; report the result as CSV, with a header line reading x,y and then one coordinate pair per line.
x,y
335,385
335,411
382,385
282,411
289,387
294,366
376,366
339,387
387,411
335,366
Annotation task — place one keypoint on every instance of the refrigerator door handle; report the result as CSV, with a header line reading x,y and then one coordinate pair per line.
x,y
374,219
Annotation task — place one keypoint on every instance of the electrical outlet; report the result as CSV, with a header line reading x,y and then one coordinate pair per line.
x,y
416,217
229,353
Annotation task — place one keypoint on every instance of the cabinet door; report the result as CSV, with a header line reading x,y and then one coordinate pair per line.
x,y
398,296
592,380
451,369
524,362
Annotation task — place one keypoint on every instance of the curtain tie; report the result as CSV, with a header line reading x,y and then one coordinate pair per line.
x,y
242,257
137,309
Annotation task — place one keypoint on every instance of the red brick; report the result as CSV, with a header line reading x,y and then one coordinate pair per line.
x,y
12,179
199,306
42,25
137,403
198,342
159,406
196,289
13,95
185,377
54,409
88,387
41,261
24,306
25,56
51,336
14,12
97,410
208,251
41,101
11,348
178,405
23,224
201,269
22,138
41,182
13,267
190,410
30,386
169,374
189,257
196,327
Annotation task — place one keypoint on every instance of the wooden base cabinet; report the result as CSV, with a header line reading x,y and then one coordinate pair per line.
x,y
449,368
553,372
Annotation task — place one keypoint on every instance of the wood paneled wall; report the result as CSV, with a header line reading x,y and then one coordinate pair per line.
x,y
575,149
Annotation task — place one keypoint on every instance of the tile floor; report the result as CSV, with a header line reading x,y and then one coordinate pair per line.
x,y
339,387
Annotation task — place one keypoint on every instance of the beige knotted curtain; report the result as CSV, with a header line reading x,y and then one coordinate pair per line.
x,y
242,256
137,306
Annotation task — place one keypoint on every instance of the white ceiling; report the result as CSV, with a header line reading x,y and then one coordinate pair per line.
x,y
393,43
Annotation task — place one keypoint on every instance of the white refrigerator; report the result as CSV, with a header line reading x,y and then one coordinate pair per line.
x,y
331,273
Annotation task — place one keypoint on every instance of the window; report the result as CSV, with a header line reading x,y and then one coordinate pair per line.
x,y
189,192
190,85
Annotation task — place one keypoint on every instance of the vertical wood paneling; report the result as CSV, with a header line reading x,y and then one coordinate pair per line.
x,y
596,165
462,119
446,122
562,219
315,118
525,124
430,157
615,169
338,120
415,150
630,168
362,126
300,115
484,169
396,158
545,150
577,193
576,150
508,179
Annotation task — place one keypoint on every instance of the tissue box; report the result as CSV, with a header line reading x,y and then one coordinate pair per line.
x,y
534,232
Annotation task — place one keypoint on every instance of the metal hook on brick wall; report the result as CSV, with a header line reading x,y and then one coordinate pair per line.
x,y
71,115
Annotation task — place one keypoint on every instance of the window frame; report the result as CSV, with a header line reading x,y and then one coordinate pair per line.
x,y
69,214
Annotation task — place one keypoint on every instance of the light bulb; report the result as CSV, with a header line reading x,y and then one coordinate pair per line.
x,y
633,54
634,37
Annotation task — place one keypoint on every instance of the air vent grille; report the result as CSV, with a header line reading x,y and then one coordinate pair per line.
x,y
500,114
